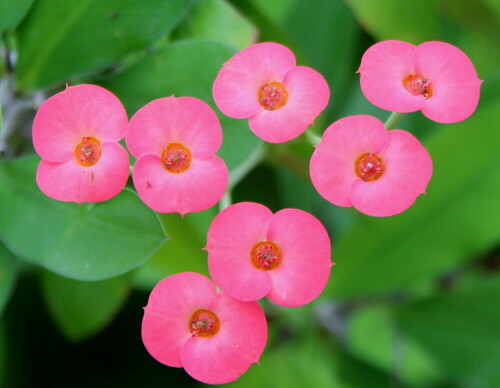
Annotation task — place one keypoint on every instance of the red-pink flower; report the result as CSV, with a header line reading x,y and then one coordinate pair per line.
x,y
435,77
174,141
213,336
359,163
76,132
263,83
253,253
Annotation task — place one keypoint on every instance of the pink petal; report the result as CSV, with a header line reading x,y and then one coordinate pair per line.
x,y
238,344
383,68
237,85
305,267
79,111
185,120
231,236
165,326
408,170
308,95
69,181
201,186
455,85
332,163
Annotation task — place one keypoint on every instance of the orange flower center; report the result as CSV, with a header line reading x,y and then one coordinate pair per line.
x,y
369,167
88,151
417,85
176,158
272,96
266,255
204,323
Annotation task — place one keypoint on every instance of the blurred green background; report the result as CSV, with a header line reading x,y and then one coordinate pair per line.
x,y
413,300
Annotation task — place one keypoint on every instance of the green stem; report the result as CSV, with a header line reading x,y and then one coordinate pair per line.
x,y
226,200
393,120
312,138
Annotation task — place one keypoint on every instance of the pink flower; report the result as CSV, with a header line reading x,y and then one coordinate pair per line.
x,y
434,77
263,84
76,132
359,163
174,141
214,337
253,253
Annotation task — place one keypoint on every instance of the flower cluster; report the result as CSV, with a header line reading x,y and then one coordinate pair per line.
x,y
252,253
76,132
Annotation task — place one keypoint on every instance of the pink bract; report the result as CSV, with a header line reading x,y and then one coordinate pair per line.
x,y
173,338
434,77
167,183
406,169
239,84
295,279
81,120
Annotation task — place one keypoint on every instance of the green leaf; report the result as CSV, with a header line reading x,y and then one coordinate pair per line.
x,y
61,39
83,242
220,21
183,252
81,309
460,329
186,68
454,222
293,365
388,19
9,267
11,13
373,337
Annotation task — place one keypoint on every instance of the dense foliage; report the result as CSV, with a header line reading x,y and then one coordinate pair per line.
x,y
413,299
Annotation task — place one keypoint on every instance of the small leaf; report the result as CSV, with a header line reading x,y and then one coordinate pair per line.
x,y
81,309
195,65
218,20
63,39
9,267
84,242
455,221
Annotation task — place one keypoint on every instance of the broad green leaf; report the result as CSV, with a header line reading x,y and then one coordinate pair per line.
x,y
456,220
61,40
414,22
183,252
9,267
81,309
11,13
186,68
460,330
220,21
83,242
373,337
